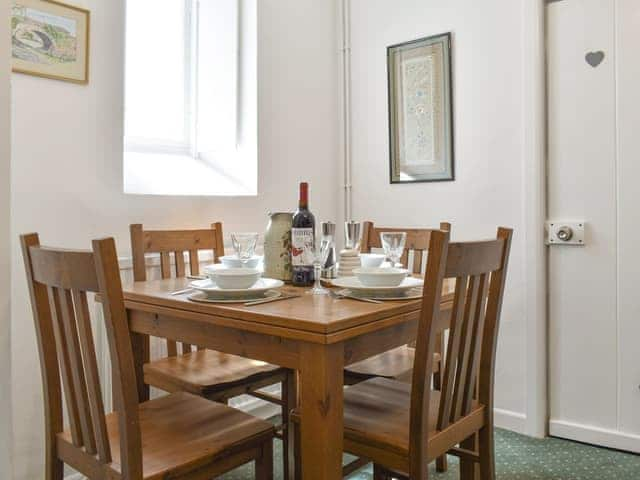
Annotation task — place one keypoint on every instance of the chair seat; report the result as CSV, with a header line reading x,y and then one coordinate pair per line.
x,y
182,432
396,364
206,372
377,412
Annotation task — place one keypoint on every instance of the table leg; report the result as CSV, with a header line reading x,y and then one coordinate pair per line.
x,y
290,399
140,346
321,406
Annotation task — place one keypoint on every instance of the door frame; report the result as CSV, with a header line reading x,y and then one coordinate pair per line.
x,y
5,248
535,214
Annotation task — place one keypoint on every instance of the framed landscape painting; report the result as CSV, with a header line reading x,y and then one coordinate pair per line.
x,y
420,110
50,39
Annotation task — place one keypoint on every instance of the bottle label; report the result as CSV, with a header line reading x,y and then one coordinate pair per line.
x,y
301,243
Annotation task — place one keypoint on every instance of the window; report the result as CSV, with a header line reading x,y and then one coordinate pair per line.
x,y
159,81
182,91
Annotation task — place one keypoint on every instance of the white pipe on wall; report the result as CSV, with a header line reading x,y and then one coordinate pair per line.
x,y
346,107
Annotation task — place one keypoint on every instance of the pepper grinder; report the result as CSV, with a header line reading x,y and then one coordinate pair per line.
x,y
329,268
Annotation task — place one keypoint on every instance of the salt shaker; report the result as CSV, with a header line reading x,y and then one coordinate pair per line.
x,y
329,234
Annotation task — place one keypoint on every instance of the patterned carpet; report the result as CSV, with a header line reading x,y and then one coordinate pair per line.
x,y
523,458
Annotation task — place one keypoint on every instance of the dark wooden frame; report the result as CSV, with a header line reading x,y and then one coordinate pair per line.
x,y
448,57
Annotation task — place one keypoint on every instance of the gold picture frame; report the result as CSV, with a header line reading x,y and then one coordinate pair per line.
x,y
50,39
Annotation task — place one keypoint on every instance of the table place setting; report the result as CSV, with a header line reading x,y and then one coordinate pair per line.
x,y
375,277
237,279
302,253
364,277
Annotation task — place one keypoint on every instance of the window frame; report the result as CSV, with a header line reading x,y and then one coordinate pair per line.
x,y
189,146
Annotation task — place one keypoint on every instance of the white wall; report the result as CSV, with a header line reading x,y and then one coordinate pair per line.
x,y
488,104
5,187
67,168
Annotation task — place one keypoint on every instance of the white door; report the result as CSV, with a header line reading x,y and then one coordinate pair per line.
x,y
593,49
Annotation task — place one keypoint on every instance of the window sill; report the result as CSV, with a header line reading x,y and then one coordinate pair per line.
x,y
179,175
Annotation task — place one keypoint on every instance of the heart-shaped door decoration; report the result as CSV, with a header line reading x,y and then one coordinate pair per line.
x,y
594,58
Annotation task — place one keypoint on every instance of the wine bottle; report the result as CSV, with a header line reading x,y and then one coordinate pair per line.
x,y
302,239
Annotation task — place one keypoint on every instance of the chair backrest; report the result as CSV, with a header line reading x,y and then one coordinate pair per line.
x,y
59,281
417,242
176,243
479,269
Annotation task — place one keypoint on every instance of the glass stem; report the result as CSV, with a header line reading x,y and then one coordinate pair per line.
x,y
317,273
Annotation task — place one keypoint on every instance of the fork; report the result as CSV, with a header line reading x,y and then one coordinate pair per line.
x,y
340,296
180,292
269,300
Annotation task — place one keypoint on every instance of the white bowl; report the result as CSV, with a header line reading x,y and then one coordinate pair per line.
x,y
234,278
371,260
381,277
232,261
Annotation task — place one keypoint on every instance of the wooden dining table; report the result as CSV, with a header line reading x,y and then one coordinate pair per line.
x,y
317,335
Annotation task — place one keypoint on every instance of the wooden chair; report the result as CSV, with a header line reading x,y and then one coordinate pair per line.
x,y
214,375
397,364
401,427
177,436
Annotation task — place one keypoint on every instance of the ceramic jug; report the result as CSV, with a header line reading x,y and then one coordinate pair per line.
x,y
277,246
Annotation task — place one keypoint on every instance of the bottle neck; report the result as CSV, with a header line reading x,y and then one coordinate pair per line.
x,y
303,203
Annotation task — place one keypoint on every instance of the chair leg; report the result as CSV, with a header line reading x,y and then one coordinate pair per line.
x,y
486,449
54,468
379,473
289,446
441,462
468,468
297,458
264,464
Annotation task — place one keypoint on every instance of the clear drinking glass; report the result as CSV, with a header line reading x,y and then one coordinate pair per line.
x,y
319,252
245,246
393,245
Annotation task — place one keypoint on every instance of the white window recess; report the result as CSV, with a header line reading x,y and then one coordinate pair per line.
x,y
190,107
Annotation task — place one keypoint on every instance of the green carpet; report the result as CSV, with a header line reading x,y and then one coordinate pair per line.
x,y
523,458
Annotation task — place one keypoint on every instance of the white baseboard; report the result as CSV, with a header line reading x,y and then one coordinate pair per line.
x,y
595,435
75,476
508,420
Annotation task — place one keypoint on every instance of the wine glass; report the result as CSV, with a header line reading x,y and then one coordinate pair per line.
x,y
319,252
393,245
245,246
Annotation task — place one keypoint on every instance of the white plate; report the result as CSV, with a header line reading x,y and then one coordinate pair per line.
x,y
215,292
202,297
353,284
413,294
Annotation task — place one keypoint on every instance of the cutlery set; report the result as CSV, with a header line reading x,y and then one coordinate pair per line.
x,y
333,294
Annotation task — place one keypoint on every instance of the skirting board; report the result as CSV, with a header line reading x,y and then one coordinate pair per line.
x,y
75,476
595,435
508,420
